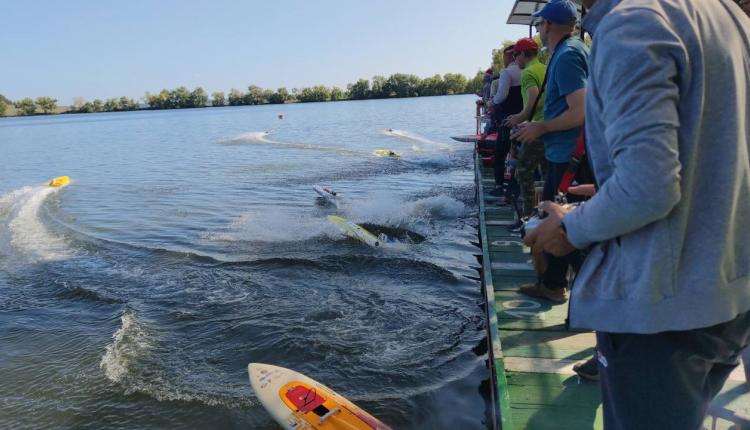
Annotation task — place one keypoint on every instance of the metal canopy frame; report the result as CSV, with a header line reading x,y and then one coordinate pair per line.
x,y
522,10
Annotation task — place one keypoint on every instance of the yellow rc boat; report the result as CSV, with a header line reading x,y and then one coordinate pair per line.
x,y
59,181
385,153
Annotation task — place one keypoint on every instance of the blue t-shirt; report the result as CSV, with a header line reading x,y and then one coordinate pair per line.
x,y
568,72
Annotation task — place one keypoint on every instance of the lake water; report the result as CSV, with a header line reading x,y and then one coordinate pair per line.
x,y
190,243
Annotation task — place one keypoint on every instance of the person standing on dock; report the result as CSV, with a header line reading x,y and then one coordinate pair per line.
x,y
531,155
507,100
565,91
666,283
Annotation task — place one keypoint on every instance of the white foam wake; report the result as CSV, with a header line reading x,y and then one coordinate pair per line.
x,y
275,226
128,343
250,137
261,137
133,361
25,231
427,144
386,209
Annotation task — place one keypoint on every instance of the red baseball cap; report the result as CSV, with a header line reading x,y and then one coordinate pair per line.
x,y
525,44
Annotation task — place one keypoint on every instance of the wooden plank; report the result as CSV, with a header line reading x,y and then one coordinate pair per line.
x,y
510,266
510,257
513,283
500,222
548,344
516,311
562,366
542,401
502,415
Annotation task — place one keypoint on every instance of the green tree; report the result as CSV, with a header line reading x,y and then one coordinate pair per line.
x,y
111,105
26,106
474,85
86,107
318,93
3,106
179,98
359,90
378,87
5,99
127,104
454,83
433,86
255,96
281,96
163,100
217,99
337,94
236,98
402,85
97,106
198,98
46,104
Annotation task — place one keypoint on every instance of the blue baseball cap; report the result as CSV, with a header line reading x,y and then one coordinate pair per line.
x,y
559,12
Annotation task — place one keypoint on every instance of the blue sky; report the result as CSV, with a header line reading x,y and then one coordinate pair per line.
x,y
101,49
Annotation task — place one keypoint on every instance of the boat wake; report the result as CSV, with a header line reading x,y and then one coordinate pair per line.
x,y
262,137
274,226
406,220
426,144
128,343
417,215
22,231
132,361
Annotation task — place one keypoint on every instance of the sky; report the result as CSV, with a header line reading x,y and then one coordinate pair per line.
x,y
107,48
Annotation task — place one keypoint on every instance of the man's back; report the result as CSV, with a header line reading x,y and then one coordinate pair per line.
x,y
671,100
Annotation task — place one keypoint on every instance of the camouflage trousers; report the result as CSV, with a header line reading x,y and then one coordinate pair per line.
x,y
530,157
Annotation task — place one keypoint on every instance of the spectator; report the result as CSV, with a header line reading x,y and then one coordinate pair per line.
x,y
530,155
507,100
666,283
565,91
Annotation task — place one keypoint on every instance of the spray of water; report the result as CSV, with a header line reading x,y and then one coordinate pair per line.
x,y
262,137
24,233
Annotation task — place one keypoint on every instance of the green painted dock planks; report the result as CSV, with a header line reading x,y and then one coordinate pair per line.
x,y
531,351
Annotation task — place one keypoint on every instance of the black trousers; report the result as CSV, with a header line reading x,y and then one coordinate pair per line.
x,y
666,381
502,147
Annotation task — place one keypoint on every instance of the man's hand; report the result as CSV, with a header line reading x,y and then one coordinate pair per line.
x,y
529,132
513,120
549,235
587,190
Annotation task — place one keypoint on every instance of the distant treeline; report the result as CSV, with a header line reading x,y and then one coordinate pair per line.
x,y
380,87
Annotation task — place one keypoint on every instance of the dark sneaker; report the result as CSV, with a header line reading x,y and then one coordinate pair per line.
x,y
539,290
588,369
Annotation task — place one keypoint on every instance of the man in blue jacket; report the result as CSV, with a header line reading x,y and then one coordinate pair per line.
x,y
666,282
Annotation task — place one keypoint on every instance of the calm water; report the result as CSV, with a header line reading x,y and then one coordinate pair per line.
x,y
189,244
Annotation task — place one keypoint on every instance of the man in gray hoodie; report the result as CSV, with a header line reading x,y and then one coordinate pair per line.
x,y
666,282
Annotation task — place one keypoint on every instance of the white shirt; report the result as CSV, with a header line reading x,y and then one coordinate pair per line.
x,y
509,77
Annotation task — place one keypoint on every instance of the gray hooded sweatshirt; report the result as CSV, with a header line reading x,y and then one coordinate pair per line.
x,y
668,129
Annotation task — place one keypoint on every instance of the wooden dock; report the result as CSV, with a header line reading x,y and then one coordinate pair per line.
x,y
531,353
